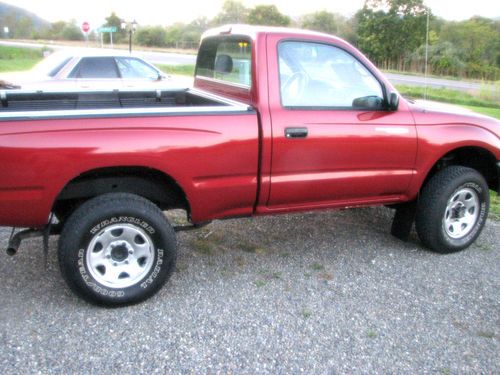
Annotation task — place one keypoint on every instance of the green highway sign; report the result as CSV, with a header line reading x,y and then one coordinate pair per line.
x,y
107,29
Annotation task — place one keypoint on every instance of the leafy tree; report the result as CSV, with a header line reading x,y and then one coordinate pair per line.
x,y
23,28
477,39
233,11
267,15
120,34
151,36
443,59
330,23
390,29
186,36
322,21
71,31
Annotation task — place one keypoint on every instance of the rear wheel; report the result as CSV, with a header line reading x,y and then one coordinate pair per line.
x,y
452,209
117,249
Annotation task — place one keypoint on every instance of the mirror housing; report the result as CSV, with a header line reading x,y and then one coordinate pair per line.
x,y
393,101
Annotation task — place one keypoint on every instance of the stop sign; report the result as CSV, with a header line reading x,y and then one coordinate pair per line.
x,y
85,27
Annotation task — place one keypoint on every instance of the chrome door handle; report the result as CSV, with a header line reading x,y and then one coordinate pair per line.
x,y
296,132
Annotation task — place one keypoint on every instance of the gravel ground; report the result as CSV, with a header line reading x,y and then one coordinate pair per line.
x,y
318,293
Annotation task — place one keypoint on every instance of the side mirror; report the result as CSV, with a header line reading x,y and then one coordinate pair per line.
x,y
368,103
393,101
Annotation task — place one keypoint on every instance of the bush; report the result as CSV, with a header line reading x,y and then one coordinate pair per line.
x,y
151,36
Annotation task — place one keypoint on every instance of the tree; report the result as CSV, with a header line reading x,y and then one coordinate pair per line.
x,y
330,23
151,36
267,15
322,21
389,30
71,31
232,12
114,21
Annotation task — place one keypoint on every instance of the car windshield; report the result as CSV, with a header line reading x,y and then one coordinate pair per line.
x,y
51,65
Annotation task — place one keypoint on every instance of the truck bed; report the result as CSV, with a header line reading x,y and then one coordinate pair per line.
x,y
31,103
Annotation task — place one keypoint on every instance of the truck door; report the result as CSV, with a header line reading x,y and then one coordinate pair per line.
x,y
334,141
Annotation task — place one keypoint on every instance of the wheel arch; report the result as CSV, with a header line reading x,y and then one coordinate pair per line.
x,y
475,157
148,183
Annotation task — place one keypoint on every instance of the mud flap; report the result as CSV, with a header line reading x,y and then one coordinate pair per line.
x,y
403,220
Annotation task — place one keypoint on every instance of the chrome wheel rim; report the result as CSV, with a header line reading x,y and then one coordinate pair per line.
x,y
120,256
461,214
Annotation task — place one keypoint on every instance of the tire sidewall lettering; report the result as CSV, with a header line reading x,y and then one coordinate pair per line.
x,y
90,282
481,217
122,219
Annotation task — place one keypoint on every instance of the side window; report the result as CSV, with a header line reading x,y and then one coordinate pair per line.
x,y
226,59
95,67
320,75
134,68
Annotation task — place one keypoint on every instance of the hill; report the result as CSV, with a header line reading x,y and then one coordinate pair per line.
x,y
21,23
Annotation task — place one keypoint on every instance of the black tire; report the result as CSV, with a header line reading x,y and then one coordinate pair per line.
x,y
441,220
117,249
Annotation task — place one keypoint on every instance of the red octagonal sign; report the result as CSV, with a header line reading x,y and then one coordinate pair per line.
x,y
85,27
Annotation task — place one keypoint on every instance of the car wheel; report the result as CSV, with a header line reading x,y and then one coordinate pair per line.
x,y
452,209
117,249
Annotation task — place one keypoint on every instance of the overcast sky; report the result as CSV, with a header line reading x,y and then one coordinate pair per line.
x,y
158,12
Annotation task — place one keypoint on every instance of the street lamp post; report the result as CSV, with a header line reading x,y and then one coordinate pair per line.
x,y
131,26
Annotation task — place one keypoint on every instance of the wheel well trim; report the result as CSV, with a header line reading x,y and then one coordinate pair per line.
x,y
423,177
128,172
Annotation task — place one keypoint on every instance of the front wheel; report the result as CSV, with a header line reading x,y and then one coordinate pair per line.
x,y
452,209
117,249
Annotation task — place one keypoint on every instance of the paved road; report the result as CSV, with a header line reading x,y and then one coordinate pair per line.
x,y
318,293
174,58
403,79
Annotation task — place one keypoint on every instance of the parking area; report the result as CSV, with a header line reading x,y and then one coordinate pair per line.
x,y
316,293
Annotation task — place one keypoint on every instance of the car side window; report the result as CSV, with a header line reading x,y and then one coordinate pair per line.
x,y
316,75
95,67
134,68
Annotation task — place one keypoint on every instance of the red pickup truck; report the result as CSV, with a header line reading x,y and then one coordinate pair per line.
x,y
279,120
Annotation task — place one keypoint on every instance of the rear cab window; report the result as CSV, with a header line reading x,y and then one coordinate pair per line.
x,y
226,60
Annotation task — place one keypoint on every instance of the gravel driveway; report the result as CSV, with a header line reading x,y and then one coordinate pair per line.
x,y
318,293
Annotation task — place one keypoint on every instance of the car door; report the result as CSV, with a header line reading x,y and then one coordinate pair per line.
x,y
334,142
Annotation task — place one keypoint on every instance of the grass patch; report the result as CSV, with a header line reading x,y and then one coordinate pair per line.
x,y
202,246
317,266
448,96
371,334
249,247
178,69
15,59
492,112
494,206
306,313
486,334
260,283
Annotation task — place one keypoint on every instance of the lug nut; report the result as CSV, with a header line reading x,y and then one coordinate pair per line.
x,y
131,252
115,264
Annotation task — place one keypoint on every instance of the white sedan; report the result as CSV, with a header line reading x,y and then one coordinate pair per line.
x,y
90,70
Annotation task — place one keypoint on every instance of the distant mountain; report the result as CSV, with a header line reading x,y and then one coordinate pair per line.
x,y
20,22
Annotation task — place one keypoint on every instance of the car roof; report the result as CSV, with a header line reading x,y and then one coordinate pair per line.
x,y
82,52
